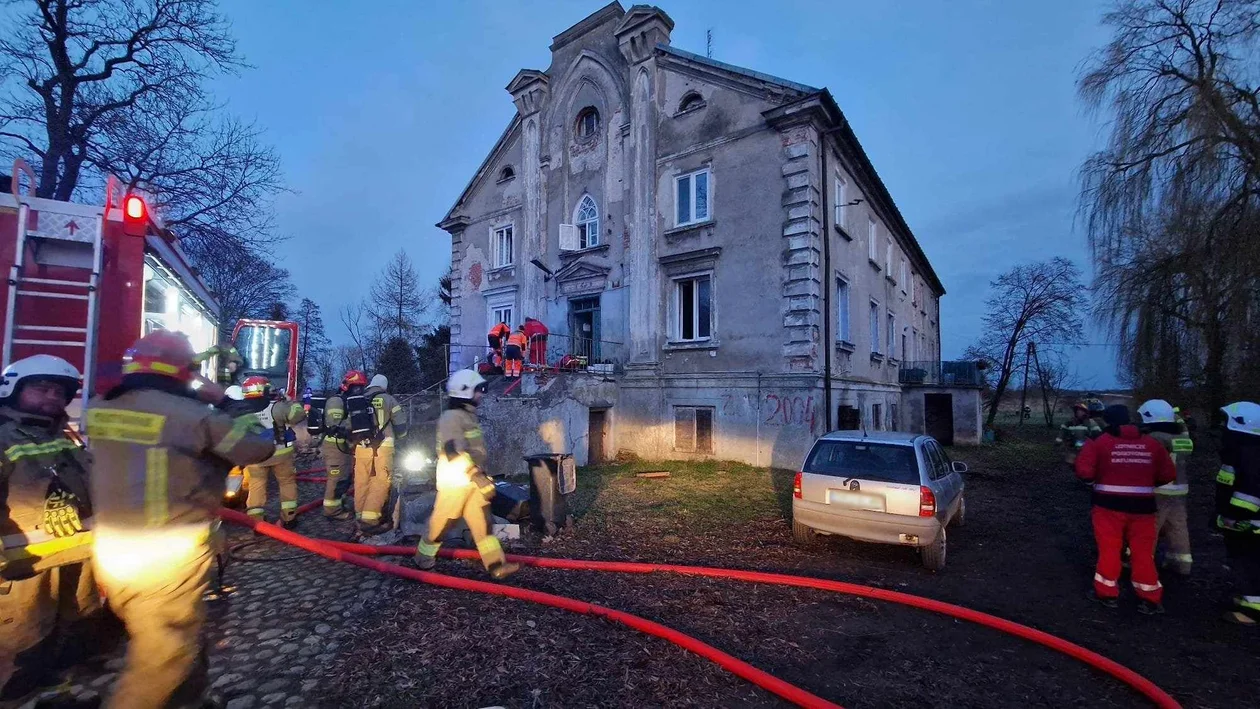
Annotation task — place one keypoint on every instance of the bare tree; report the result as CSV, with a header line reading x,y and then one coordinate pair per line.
x,y
397,304
1172,202
1037,302
241,297
346,358
1052,376
358,321
315,342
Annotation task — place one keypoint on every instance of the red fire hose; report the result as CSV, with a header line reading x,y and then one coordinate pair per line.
x,y
1141,684
732,664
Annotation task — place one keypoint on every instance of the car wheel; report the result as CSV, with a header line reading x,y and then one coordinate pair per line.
x,y
960,519
801,534
933,555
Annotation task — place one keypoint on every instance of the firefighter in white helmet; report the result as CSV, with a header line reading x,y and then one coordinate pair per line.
x,y
276,417
1159,419
463,489
1238,508
45,521
374,456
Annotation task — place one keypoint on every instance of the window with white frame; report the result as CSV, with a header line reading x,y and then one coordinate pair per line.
x,y
586,219
693,308
501,310
904,281
841,200
872,240
691,194
892,336
874,327
501,246
842,310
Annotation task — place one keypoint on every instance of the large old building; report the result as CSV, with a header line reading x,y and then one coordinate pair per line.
x,y
716,234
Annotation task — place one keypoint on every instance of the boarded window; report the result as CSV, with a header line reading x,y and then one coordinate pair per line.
x,y
877,417
693,429
848,418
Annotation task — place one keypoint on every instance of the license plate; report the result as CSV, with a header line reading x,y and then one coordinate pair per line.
x,y
855,500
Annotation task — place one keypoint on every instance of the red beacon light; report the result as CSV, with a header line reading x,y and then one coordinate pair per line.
x,y
135,215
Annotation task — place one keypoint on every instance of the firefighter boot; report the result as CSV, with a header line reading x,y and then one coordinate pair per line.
x,y
504,569
426,555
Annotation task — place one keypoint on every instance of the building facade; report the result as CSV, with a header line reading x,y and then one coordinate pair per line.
x,y
719,234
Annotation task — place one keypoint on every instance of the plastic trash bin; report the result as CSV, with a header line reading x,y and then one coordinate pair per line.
x,y
552,478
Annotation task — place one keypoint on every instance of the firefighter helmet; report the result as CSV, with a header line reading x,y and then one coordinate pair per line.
x,y
161,352
1243,416
41,367
1157,411
255,387
1081,405
235,393
1096,406
464,383
379,381
353,378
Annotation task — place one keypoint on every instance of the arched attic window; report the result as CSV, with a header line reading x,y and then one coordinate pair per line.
x,y
586,219
587,125
692,101
506,173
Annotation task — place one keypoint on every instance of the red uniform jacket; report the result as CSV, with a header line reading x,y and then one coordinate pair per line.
x,y
1125,470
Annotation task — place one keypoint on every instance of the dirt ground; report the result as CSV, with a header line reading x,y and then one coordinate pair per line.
x,y
1026,554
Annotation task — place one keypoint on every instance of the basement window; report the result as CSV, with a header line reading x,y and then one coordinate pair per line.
x,y
693,429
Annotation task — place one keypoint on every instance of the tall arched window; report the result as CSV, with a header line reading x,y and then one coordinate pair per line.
x,y
587,221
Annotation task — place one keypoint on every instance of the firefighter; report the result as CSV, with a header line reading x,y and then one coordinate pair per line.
x,y
1125,467
514,352
162,456
374,457
45,521
1238,508
229,361
463,489
1096,411
277,416
1159,420
1074,433
498,337
336,447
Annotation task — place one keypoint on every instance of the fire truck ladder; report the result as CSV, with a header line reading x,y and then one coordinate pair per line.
x,y
63,250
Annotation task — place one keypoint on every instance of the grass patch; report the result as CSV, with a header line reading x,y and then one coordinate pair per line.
x,y
705,492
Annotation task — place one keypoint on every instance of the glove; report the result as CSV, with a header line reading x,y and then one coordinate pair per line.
x,y
61,513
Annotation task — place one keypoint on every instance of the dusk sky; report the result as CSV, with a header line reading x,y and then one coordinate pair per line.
x,y
383,110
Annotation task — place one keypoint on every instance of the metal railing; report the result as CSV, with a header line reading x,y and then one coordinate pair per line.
x,y
958,373
555,352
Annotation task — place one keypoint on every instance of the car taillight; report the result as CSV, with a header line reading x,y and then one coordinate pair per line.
x,y
927,502
796,486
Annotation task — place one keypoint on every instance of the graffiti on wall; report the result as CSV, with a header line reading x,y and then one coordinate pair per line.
x,y
781,409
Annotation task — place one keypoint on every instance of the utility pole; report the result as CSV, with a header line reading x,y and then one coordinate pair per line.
x,y
1023,395
1043,377
709,43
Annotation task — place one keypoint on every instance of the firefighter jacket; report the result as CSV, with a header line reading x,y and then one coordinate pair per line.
x,y
461,449
227,354
1074,434
283,415
1125,470
500,331
518,339
162,457
1238,483
335,419
391,417
1179,446
37,458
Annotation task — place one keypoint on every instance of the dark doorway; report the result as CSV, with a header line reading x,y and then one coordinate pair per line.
x,y
938,417
848,418
584,327
597,427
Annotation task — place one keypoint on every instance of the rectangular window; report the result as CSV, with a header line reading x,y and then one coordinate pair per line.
x,y
501,246
904,351
916,351
888,259
694,308
842,310
904,281
841,200
872,240
892,336
501,311
692,193
693,429
874,327
892,417
877,417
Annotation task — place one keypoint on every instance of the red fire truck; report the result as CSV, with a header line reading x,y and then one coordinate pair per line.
x,y
85,281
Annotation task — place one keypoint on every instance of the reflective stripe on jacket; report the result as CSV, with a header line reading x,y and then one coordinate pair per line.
x,y
1125,470
460,447
1238,483
1179,447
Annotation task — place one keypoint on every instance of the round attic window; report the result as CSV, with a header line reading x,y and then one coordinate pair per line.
x,y
506,174
587,123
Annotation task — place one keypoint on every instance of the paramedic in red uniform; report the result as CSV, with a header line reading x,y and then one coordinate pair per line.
x,y
1125,467
537,332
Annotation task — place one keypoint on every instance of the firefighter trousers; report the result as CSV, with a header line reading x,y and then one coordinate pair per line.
x,y
373,474
1171,526
1243,552
34,615
340,472
1113,531
468,503
282,466
163,611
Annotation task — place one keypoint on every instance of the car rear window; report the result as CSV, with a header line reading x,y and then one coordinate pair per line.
x,y
865,461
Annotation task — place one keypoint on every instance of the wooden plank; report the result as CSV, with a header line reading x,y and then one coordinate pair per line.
x,y
654,474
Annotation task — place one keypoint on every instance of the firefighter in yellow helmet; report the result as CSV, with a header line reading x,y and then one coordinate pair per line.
x,y
161,458
463,489
277,417
374,456
45,522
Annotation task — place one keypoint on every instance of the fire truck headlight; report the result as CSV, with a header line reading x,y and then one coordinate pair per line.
x,y
415,461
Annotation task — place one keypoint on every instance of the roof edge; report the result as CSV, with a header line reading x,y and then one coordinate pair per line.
x,y
586,24
481,170
749,73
